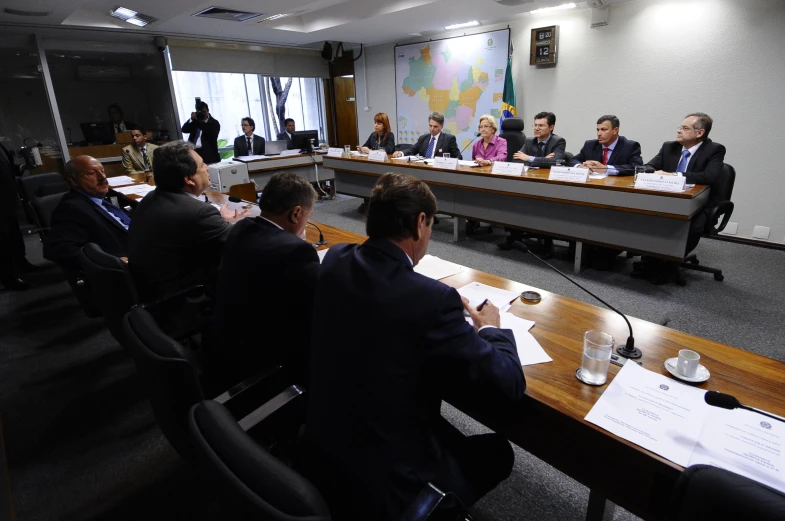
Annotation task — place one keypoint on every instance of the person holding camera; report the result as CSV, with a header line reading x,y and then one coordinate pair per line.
x,y
203,130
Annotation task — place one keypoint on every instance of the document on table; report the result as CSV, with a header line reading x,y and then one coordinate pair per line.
x,y
477,293
598,176
464,162
653,411
120,180
437,268
743,442
245,159
141,189
530,351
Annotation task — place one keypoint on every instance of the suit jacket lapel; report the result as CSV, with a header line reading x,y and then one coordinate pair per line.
x,y
101,211
136,158
617,148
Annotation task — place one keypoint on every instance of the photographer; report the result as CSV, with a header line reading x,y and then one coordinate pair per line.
x,y
203,130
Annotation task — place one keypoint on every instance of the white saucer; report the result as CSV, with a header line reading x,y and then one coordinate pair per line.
x,y
701,375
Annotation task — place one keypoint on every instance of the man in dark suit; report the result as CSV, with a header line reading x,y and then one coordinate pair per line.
x,y
697,158
85,215
266,284
610,152
288,133
117,119
12,245
176,238
249,144
545,148
435,143
374,429
204,130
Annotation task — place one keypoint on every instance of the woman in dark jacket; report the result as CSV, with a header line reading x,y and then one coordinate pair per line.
x,y
381,138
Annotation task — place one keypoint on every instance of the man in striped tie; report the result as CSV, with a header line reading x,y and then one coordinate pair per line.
x,y
610,153
138,158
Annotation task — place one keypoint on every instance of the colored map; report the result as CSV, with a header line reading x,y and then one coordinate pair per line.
x,y
460,77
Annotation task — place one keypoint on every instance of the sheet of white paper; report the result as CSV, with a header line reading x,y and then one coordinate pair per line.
x,y
653,411
140,189
120,180
743,442
437,268
530,351
477,293
321,254
245,159
598,176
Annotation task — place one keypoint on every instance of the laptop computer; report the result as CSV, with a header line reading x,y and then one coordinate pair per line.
x,y
273,148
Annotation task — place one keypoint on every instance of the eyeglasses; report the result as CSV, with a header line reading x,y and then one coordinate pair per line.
x,y
685,128
540,126
485,126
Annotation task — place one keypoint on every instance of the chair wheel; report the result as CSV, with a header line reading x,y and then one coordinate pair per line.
x,y
719,277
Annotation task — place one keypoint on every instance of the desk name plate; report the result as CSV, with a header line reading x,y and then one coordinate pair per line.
x,y
663,183
503,167
377,155
445,162
569,173
334,152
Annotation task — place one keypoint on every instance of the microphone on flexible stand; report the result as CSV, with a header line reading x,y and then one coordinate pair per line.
x,y
469,143
321,241
726,401
627,350
235,199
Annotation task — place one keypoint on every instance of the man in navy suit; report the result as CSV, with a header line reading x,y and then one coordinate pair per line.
x,y
249,144
266,284
435,143
610,152
288,132
545,148
84,215
374,429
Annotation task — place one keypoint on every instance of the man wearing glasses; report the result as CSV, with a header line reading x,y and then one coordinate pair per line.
x,y
545,148
249,144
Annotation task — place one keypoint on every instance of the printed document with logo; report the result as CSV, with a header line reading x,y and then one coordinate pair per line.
x,y
477,293
743,442
653,411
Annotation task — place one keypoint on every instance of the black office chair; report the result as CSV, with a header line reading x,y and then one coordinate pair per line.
x,y
512,131
718,215
33,186
43,207
706,493
174,381
404,147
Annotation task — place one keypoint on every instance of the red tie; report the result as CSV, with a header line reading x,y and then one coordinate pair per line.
x,y
605,152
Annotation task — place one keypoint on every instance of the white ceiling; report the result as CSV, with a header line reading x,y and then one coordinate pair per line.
x,y
353,21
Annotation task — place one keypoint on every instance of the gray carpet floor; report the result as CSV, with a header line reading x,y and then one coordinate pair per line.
x,y
82,442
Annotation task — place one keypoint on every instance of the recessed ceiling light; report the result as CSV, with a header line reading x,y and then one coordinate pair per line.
x,y
473,23
122,13
131,16
562,7
136,21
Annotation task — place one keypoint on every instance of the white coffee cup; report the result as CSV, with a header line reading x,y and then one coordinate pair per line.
x,y
688,362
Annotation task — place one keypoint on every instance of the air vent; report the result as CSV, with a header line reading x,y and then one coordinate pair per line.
x,y
513,3
227,14
274,17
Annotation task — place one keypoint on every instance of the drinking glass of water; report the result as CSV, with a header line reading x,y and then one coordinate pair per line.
x,y
347,150
597,349
638,171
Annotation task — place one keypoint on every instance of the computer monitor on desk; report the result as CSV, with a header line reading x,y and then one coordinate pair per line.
x,y
101,133
304,140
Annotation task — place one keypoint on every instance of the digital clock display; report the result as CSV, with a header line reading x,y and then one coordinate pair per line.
x,y
543,46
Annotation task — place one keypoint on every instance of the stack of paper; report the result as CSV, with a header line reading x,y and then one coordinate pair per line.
x,y
477,293
245,159
120,180
437,268
140,189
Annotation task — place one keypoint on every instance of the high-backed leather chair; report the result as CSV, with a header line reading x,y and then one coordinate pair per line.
x,y
512,131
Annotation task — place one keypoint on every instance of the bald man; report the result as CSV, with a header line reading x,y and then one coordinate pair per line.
x,y
85,215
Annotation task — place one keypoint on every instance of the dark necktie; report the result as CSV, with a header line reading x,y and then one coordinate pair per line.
x,y
250,147
682,167
605,152
143,150
112,209
542,149
429,150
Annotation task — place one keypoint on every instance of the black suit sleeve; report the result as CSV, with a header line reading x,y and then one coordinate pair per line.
x,y
713,169
189,126
238,146
559,149
633,159
389,144
452,146
487,361
261,142
68,234
656,163
580,157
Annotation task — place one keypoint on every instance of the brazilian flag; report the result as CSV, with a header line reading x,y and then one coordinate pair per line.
x,y
508,97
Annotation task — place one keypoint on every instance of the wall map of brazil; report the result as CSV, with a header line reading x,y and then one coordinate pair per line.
x,y
460,77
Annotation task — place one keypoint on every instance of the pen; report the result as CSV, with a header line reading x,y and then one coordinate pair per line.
x,y
479,308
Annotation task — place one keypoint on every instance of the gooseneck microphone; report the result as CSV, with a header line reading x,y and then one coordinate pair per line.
x,y
627,350
469,143
235,199
726,401
321,241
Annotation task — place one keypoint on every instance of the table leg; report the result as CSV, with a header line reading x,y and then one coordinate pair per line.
x,y
459,229
599,508
578,257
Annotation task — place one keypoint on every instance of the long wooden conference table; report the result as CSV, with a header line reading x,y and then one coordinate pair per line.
x,y
308,166
551,425
606,212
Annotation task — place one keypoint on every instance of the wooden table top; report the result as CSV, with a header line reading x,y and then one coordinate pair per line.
x,y
539,175
560,323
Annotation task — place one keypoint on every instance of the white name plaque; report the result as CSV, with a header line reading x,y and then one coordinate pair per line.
x,y
289,153
503,167
572,174
334,152
450,163
377,155
664,183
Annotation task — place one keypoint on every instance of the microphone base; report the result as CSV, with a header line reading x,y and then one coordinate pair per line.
x,y
320,243
634,353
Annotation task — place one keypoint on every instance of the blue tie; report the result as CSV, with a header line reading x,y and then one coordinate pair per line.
x,y
429,150
685,155
121,215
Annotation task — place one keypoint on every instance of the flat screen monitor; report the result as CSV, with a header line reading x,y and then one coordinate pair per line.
x,y
101,133
301,140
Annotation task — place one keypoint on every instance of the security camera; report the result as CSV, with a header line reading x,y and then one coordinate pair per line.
x,y
160,43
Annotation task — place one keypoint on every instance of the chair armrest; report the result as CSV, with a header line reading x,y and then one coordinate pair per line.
x,y
182,313
286,411
724,209
248,394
